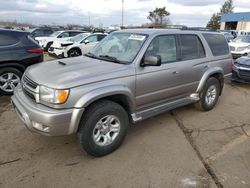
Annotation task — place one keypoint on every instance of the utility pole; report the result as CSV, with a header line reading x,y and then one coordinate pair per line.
x,y
89,19
122,11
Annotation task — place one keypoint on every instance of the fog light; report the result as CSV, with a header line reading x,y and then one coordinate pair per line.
x,y
40,127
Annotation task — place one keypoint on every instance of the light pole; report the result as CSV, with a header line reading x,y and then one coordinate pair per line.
x,y
122,11
89,19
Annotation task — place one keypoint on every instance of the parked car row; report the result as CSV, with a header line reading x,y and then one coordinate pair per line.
x,y
79,45
46,42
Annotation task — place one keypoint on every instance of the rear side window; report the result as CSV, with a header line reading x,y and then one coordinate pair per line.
x,y
6,40
48,32
217,44
191,47
100,37
72,34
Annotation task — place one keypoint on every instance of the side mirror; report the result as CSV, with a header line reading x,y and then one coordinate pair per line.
x,y
151,61
86,41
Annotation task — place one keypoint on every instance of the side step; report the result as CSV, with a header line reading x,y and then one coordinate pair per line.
x,y
150,112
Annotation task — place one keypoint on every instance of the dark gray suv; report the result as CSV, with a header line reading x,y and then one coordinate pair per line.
x,y
128,77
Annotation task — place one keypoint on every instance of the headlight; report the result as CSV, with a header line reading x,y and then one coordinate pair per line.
x,y
53,96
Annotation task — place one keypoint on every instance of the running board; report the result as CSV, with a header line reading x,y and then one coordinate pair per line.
x,y
150,112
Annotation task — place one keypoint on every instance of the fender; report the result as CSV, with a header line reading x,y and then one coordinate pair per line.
x,y
14,65
106,91
206,75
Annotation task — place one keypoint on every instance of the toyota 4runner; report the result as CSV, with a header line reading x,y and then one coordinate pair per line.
x,y
129,76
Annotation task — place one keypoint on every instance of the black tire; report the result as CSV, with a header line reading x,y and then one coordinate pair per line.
x,y
203,103
93,115
5,71
74,53
48,46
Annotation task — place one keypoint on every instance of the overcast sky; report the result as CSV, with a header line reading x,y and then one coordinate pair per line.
x,y
107,12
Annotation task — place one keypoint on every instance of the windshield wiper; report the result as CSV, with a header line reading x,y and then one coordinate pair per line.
x,y
111,58
91,55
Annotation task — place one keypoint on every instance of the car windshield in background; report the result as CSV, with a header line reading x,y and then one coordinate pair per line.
x,y
119,47
78,38
245,39
55,34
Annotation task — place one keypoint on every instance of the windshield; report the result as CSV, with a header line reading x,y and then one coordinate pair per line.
x,y
245,39
120,46
55,34
78,38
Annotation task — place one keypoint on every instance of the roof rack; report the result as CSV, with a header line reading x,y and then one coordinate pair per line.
x,y
198,29
176,27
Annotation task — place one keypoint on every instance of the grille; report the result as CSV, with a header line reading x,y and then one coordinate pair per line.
x,y
29,82
29,87
245,73
29,94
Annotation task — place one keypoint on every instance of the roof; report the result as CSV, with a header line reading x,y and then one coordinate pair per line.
x,y
162,31
234,17
13,31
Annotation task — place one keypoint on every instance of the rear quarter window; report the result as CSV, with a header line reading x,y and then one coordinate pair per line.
x,y
6,40
217,44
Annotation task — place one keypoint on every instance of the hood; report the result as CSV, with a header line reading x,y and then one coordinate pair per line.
x,y
42,38
244,60
76,71
59,43
239,44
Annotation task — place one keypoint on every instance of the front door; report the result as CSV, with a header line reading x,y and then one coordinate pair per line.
x,y
156,84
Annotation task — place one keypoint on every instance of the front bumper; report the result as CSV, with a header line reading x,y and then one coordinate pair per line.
x,y
44,120
241,74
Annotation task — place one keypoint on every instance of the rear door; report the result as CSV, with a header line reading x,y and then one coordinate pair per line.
x,y
192,63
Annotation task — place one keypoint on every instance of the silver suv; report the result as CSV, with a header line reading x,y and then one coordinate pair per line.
x,y
128,77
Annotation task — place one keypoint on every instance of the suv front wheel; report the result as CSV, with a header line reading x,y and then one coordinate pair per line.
x,y
210,94
103,128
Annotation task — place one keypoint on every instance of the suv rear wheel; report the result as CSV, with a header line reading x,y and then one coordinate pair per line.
x,y
210,94
9,79
103,128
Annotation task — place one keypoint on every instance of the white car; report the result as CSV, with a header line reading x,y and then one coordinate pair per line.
x,y
46,42
76,46
240,46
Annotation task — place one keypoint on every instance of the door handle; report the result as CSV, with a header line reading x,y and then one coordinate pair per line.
x,y
175,72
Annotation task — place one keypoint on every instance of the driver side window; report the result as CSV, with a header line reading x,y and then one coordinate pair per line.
x,y
163,46
92,38
63,35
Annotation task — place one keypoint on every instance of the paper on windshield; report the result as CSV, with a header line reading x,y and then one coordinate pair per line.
x,y
136,37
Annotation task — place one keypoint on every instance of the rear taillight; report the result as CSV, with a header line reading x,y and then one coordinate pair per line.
x,y
35,50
